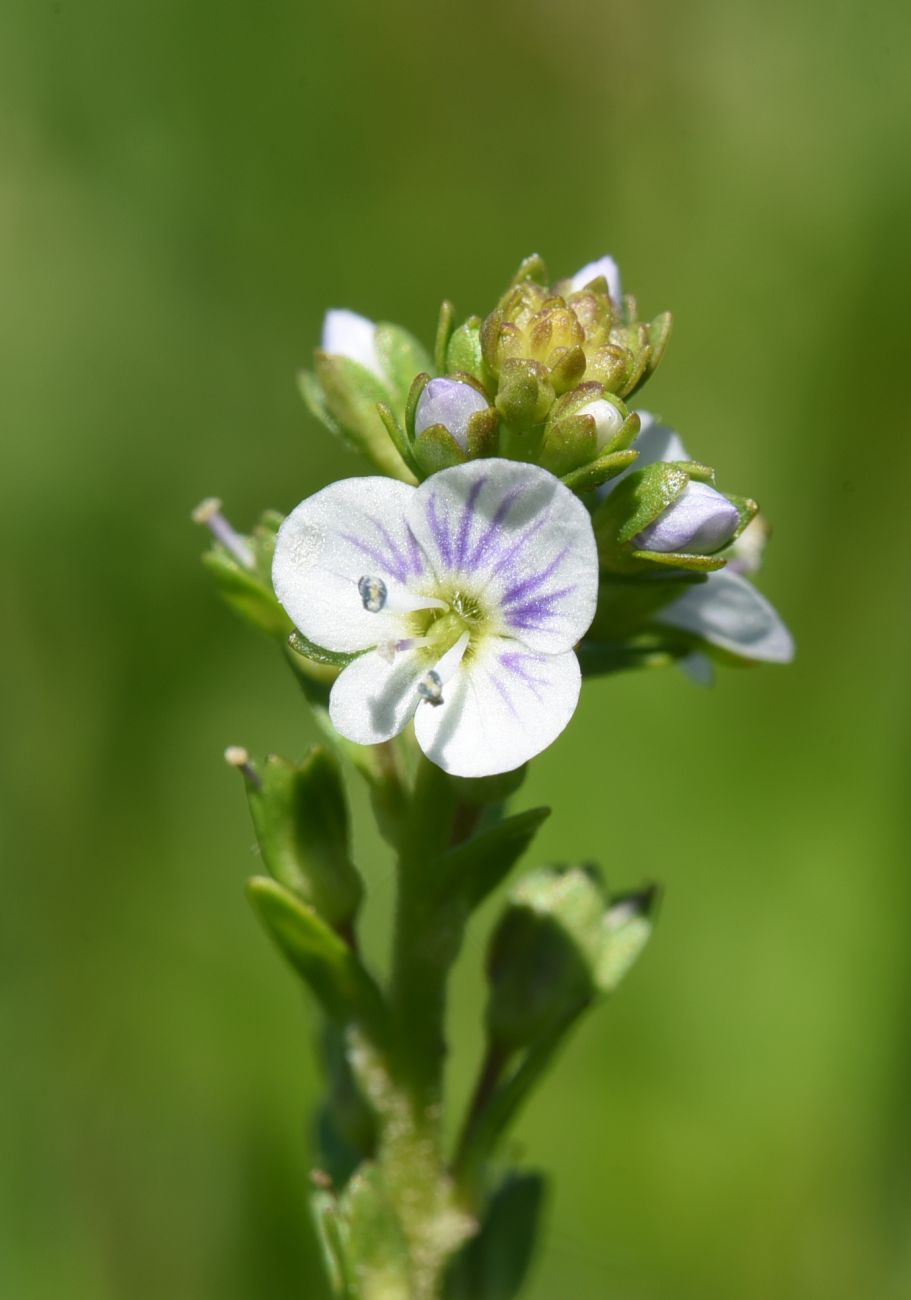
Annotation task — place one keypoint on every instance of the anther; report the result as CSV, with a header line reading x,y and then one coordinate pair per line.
x,y
237,756
208,512
430,688
372,592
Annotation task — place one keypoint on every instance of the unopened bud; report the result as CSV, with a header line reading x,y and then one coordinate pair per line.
x,y
608,420
700,522
604,269
346,334
451,403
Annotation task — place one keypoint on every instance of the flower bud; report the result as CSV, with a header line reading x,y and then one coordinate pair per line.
x,y
604,269
301,820
346,334
608,418
451,403
700,522
544,955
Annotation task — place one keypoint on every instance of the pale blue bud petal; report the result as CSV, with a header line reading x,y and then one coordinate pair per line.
x,y
608,420
657,442
699,522
449,402
346,334
605,266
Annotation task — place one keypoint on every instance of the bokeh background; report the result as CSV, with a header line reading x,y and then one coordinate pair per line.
x,y
185,186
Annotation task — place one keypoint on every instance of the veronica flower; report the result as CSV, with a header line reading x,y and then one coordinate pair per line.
x,y
725,610
461,599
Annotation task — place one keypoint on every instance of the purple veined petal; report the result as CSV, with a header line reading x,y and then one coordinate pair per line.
x,y
350,530
346,334
375,697
516,539
605,266
504,705
727,611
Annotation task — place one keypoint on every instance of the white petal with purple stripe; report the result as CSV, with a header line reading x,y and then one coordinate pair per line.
x,y
463,599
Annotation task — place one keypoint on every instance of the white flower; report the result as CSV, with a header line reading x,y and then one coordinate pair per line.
x,y
725,610
452,403
606,267
462,598
346,334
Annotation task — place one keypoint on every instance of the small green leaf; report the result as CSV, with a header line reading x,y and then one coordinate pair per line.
x,y
350,394
476,868
324,960
591,476
495,1263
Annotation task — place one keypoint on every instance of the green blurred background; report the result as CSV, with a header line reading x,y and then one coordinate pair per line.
x,y
185,186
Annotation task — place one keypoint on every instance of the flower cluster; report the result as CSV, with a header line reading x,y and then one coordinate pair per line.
x,y
525,513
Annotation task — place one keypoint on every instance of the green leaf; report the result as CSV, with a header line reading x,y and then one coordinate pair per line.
x,y
246,594
495,1263
476,868
397,435
350,395
320,957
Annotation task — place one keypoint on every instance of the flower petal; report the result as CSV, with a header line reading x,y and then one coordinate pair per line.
x,y
516,538
729,612
605,266
352,529
503,706
346,334
373,699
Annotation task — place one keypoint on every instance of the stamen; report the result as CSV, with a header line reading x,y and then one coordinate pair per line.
x,y
373,593
237,756
208,512
430,686
377,596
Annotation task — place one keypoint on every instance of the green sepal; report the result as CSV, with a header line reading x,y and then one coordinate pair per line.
x,y
476,868
483,427
397,435
591,476
680,560
445,326
628,925
464,350
324,960
568,444
532,268
350,394
567,366
374,1240
300,815
307,649
435,449
494,1265
402,357
634,504
418,384
746,508
246,593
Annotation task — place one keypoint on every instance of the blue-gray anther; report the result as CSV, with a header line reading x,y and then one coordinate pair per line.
x,y
699,522
373,593
449,402
430,688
